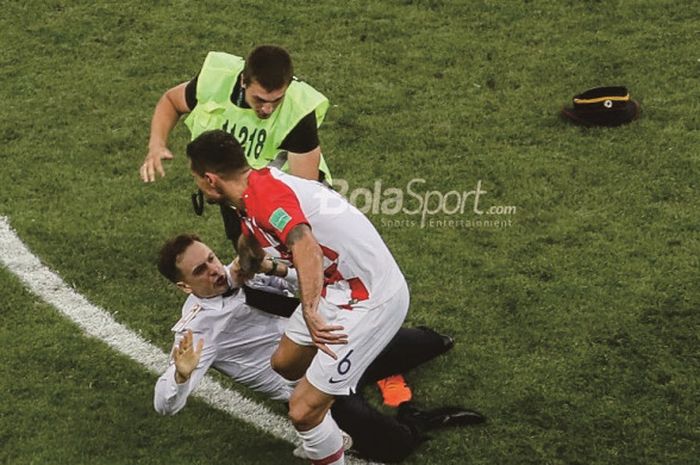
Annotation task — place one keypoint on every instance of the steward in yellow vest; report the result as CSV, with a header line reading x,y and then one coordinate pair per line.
x,y
273,115
219,103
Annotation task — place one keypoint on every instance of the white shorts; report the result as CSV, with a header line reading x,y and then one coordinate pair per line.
x,y
369,330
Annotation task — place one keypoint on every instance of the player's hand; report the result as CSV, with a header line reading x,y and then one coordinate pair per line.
x,y
186,357
238,275
153,163
266,264
322,333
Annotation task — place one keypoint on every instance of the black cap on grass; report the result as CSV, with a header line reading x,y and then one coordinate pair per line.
x,y
602,106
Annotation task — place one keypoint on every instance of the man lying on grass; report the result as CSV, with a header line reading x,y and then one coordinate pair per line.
x,y
220,328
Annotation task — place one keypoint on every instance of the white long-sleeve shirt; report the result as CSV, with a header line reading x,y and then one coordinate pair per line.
x,y
238,341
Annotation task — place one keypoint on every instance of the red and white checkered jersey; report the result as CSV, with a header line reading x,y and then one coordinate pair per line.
x,y
358,266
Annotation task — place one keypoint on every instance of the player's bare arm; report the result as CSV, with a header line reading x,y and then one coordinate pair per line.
x,y
170,107
250,256
186,357
308,261
305,165
252,259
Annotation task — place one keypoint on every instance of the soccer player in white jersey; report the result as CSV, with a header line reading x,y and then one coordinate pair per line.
x,y
353,295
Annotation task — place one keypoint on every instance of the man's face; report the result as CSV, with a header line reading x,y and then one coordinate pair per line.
x,y
202,273
263,101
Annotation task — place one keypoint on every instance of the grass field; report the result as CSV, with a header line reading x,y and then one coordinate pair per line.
x,y
576,316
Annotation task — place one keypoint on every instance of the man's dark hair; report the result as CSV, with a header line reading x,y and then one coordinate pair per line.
x,y
167,258
270,66
216,151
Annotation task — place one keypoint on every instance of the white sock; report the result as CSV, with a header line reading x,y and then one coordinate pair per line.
x,y
323,443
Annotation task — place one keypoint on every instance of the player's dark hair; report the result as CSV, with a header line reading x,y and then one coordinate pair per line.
x,y
270,66
173,248
217,152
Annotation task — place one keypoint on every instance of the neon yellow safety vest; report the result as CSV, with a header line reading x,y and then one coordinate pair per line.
x,y
260,138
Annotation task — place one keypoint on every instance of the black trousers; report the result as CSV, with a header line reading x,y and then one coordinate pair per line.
x,y
375,435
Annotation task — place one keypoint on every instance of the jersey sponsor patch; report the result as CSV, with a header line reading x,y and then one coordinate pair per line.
x,y
279,219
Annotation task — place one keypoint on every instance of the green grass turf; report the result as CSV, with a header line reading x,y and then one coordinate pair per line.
x,y
577,325
69,399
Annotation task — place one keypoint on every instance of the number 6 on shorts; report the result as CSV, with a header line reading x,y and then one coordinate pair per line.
x,y
345,364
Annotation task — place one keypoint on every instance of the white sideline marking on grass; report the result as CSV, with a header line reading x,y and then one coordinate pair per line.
x,y
98,323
